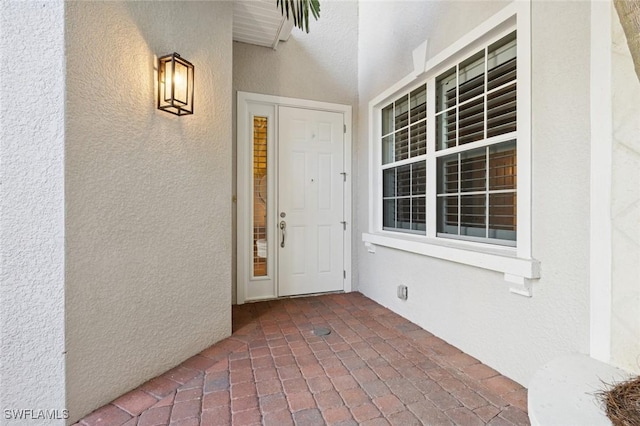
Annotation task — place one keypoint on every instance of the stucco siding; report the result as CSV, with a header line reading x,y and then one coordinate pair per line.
x,y
469,307
625,206
148,194
32,73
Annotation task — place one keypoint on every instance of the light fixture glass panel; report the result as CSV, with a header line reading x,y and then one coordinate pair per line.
x,y
180,83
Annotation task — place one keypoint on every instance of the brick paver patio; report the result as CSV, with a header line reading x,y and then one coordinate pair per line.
x,y
375,368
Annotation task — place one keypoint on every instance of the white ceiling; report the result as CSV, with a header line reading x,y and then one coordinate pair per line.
x,y
259,22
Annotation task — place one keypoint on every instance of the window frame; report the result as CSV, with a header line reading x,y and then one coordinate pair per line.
x,y
515,262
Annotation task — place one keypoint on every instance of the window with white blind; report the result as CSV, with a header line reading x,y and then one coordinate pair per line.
x,y
450,158
476,146
472,150
404,147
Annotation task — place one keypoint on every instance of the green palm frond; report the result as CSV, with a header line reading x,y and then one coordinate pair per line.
x,y
298,10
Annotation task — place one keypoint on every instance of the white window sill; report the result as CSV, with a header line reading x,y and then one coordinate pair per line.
x,y
516,270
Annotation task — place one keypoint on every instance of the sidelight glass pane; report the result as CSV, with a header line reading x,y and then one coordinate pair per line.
x,y
260,196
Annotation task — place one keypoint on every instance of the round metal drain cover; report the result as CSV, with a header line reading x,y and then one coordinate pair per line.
x,y
321,331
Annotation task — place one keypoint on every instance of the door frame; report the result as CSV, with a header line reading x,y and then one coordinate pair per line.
x,y
247,103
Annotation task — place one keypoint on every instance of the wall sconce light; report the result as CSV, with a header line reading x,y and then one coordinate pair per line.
x,y
175,85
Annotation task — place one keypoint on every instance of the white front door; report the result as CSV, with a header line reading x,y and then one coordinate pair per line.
x,y
311,192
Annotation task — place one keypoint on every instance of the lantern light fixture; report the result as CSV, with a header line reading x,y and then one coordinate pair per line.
x,y
175,85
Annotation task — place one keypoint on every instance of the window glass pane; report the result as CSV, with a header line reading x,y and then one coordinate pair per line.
x,y
471,121
502,216
502,166
389,213
448,174
448,215
404,213
418,216
471,77
501,61
403,182
501,111
389,183
387,120
446,90
402,145
446,129
419,178
418,104
387,149
419,139
402,112
473,167
259,196
473,215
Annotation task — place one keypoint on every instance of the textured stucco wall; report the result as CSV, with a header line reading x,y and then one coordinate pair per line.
x,y
148,194
625,208
321,66
470,307
32,208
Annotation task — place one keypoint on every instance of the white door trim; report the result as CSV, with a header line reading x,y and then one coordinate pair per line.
x,y
245,101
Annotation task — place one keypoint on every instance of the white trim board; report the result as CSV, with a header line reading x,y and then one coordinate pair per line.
x,y
601,180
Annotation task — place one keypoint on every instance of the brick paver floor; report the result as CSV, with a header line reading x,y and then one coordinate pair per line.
x,y
375,368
